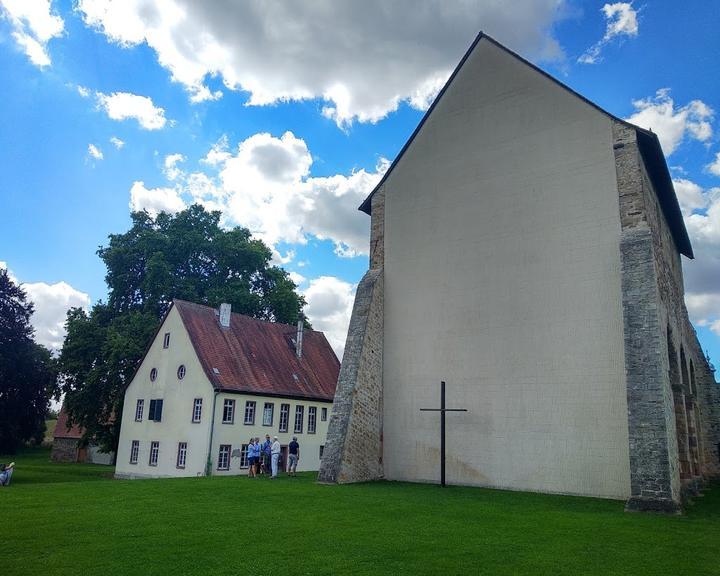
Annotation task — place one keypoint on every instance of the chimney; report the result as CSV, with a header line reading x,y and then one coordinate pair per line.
x,y
225,310
298,340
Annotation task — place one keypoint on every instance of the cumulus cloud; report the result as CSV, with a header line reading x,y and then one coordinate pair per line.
x,y
329,306
714,166
94,152
690,196
154,200
34,25
673,124
701,274
115,141
124,106
362,58
265,185
170,166
621,20
51,302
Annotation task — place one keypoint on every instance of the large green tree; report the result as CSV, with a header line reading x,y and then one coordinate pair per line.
x,y
188,256
27,371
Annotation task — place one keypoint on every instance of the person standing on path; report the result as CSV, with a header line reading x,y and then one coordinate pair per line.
x,y
294,456
275,453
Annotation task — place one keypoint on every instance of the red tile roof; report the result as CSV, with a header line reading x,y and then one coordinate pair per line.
x,y
259,357
61,428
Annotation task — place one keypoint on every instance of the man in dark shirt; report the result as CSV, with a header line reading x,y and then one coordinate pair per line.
x,y
266,447
294,456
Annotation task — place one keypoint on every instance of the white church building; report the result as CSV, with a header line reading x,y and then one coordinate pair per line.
x,y
211,380
526,248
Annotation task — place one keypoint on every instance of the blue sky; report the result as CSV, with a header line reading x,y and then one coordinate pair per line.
x,y
284,116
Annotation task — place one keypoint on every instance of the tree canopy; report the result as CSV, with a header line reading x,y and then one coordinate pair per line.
x,y
27,371
186,255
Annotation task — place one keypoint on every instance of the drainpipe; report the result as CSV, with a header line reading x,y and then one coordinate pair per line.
x,y
208,466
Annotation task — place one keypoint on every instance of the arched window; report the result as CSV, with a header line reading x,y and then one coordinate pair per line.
x,y
181,372
693,385
153,375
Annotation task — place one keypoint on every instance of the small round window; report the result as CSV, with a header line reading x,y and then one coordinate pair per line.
x,y
181,372
153,375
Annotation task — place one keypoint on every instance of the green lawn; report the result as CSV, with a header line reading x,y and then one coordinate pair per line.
x,y
73,519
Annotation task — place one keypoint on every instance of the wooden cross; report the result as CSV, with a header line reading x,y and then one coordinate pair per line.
x,y
442,411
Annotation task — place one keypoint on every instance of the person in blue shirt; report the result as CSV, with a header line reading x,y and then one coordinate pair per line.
x,y
266,452
251,458
6,473
257,449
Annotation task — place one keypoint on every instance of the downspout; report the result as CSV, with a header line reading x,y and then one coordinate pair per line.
x,y
208,466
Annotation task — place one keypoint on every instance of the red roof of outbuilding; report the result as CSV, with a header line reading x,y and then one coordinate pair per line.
x,y
61,428
259,357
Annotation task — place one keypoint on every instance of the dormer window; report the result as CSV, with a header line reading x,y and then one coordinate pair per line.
x,y
166,340
181,372
153,375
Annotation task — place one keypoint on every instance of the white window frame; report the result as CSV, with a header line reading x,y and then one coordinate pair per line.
x,y
154,453
139,409
299,412
312,420
197,410
153,374
228,408
323,414
181,371
250,406
134,451
244,462
284,418
224,457
181,455
271,407
166,340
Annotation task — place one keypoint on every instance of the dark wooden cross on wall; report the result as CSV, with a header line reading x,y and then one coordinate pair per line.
x,y
442,411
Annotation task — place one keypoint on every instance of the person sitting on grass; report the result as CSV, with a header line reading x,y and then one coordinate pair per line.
x,y
6,473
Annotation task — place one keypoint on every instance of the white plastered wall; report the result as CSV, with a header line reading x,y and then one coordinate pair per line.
x,y
239,433
502,277
178,397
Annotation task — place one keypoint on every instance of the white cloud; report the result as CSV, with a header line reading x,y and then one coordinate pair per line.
x,y
51,303
34,25
115,141
672,124
266,186
690,196
621,20
329,306
154,200
84,92
702,274
297,278
362,58
95,152
124,105
170,166
714,166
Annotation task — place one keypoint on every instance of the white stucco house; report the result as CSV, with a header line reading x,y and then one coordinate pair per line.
x,y
210,380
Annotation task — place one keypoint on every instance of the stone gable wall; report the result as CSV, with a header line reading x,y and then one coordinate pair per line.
x,y
353,449
659,398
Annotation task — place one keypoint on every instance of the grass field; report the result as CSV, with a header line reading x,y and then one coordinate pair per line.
x,y
74,519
